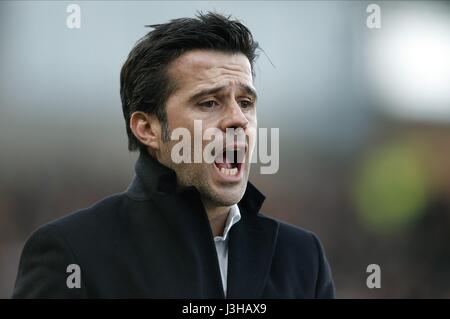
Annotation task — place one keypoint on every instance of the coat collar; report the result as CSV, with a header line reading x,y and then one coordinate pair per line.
x,y
252,241
153,177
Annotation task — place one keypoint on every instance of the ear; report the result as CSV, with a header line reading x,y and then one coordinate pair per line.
x,y
147,129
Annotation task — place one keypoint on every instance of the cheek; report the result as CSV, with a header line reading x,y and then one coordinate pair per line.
x,y
252,120
252,136
253,129
166,152
173,120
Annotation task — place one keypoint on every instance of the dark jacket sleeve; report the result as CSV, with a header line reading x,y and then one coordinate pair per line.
x,y
324,284
43,265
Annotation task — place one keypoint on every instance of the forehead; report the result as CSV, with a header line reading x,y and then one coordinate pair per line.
x,y
205,69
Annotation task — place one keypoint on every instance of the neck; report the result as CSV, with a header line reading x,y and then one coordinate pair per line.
x,y
217,216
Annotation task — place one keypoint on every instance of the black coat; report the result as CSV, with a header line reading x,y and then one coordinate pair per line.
x,y
154,241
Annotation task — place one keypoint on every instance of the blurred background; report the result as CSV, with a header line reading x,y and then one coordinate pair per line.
x,y
364,118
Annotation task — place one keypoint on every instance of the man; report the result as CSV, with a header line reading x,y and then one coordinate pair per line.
x,y
180,230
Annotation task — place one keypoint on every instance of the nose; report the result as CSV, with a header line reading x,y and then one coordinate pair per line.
x,y
234,118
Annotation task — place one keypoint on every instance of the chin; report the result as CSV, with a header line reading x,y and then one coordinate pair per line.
x,y
226,196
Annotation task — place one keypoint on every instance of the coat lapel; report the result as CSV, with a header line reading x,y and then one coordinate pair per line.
x,y
250,249
188,220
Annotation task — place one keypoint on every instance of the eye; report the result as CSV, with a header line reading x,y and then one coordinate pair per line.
x,y
208,104
246,104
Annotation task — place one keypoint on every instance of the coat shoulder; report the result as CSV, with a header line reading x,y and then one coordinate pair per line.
x,y
304,251
292,235
73,239
99,221
100,213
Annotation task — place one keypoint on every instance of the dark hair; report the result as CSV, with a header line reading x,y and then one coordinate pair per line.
x,y
144,83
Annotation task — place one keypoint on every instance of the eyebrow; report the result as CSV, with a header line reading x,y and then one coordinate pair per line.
x,y
248,89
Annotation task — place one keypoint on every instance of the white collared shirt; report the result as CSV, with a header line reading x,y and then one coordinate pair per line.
x,y
221,243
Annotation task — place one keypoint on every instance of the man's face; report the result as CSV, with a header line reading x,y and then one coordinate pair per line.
x,y
216,88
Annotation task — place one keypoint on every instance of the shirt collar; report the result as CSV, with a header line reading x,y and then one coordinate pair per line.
x,y
234,215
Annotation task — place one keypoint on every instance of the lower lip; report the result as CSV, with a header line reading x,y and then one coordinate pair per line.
x,y
229,178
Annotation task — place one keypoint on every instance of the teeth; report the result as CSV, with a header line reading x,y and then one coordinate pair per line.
x,y
229,171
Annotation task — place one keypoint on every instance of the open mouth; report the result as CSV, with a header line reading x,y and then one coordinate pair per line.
x,y
229,163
